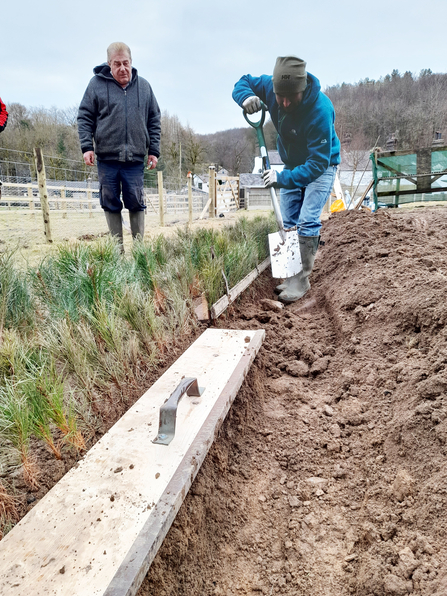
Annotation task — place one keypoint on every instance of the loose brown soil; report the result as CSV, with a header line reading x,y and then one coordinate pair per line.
x,y
329,477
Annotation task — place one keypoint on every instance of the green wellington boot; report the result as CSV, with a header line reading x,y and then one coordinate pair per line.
x,y
299,284
136,219
115,225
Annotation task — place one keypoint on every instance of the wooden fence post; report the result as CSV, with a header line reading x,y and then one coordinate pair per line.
x,y
89,196
238,194
64,203
31,200
43,193
161,202
190,198
212,191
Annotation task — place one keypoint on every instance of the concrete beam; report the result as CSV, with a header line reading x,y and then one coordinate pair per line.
x,y
98,530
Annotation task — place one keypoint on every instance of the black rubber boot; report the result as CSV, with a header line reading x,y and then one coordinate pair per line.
x,y
115,225
136,219
299,284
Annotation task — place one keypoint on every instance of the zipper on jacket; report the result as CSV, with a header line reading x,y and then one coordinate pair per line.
x,y
125,113
285,144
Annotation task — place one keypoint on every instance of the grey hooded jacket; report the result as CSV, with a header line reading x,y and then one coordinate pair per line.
x,y
123,123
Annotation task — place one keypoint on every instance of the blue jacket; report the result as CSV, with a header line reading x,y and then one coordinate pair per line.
x,y
307,142
124,123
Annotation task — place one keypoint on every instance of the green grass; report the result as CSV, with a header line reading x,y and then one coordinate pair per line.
x,y
16,304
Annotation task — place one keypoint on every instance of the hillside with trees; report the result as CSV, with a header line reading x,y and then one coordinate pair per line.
x,y
411,107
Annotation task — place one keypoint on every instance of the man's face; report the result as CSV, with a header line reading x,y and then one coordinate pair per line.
x,y
289,102
121,67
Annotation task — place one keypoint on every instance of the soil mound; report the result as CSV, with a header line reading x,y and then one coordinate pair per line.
x,y
329,474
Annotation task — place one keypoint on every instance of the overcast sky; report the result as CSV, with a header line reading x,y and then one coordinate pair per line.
x,y
193,52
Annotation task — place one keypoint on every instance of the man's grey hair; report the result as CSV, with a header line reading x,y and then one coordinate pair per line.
x,y
118,47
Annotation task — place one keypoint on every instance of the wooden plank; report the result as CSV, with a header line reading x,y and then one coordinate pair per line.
x,y
235,198
406,151
392,193
97,531
53,200
161,200
190,198
223,303
237,195
148,197
362,198
212,184
51,187
224,177
205,209
89,201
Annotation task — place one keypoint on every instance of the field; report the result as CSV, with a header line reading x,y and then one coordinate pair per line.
x,y
328,476
24,233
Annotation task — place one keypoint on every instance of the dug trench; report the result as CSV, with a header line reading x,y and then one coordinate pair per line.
x,y
328,476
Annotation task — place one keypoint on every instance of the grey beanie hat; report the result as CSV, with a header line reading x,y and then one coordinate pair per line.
x,y
289,75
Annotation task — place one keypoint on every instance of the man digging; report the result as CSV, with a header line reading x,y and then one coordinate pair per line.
x,y
119,119
309,147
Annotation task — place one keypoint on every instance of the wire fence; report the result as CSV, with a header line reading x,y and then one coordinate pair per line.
x,y
83,196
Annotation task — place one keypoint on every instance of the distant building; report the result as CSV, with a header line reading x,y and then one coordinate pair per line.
x,y
252,187
201,181
250,181
437,139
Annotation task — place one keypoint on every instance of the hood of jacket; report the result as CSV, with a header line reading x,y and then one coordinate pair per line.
x,y
103,72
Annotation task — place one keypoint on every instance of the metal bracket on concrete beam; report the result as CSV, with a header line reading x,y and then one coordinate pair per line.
x,y
168,411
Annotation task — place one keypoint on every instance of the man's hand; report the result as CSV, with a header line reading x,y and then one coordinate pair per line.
x,y
151,162
252,104
89,158
269,178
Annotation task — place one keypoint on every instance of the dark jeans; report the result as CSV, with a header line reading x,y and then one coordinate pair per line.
x,y
116,177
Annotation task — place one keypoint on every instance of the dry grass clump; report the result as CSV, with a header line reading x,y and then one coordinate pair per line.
x,y
8,510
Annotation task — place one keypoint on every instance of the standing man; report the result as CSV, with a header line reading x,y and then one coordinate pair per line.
x,y
304,119
119,120
3,121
